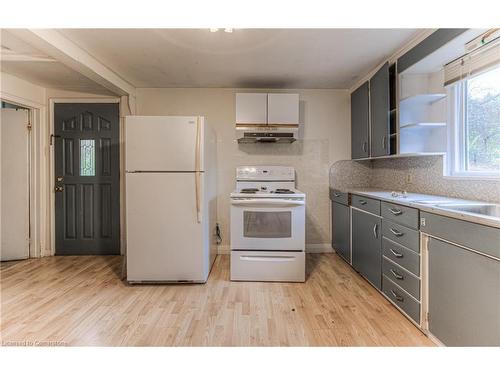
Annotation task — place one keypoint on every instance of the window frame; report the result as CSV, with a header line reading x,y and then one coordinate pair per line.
x,y
457,136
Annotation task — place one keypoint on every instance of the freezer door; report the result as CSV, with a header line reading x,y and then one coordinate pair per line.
x,y
164,143
165,240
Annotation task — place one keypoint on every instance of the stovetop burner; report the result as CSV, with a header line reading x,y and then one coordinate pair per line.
x,y
249,191
283,191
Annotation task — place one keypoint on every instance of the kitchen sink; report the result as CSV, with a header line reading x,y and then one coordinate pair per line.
x,y
473,208
431,201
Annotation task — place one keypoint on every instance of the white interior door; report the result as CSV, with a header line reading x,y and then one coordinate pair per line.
x,y
14,186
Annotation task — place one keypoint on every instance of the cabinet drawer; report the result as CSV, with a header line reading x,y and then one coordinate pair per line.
x,y
401,277
339,196
472,235
268,266
400,214
366,204
401,235
401,299
406,258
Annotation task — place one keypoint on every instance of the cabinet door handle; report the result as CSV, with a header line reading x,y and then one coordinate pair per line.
x,y
383,141
336,195
365,145
396,233
396,254
362,202
397,275
398,297
395,212
375,231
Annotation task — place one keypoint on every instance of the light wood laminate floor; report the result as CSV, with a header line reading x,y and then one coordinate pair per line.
x,y
82,301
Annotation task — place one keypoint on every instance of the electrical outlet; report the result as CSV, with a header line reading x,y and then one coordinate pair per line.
x,y
409,179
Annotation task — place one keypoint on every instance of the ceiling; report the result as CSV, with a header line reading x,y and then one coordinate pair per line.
x,y
24,61
245,58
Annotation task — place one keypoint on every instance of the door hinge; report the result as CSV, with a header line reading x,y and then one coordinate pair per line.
x,y
29,126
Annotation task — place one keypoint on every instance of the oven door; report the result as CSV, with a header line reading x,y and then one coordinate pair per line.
x,y
268,224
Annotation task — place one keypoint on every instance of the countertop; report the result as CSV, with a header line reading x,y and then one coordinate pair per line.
x,y
414,200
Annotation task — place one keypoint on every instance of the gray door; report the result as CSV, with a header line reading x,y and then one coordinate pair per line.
x,y
379,112
360,147
87,173
340,231
464,296
366,246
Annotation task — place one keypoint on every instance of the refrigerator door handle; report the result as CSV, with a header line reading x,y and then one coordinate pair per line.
x,y
197,171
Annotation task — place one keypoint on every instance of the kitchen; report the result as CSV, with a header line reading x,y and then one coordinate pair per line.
x,y
252,213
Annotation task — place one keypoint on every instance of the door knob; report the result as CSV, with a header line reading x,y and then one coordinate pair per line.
x,y
59,189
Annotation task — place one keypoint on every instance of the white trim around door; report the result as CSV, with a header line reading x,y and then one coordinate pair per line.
x,y
37,172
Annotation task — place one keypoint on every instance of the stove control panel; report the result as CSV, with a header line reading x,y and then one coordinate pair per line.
x,y
265,173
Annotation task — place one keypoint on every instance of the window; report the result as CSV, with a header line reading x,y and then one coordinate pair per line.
x,y
475,137
87,157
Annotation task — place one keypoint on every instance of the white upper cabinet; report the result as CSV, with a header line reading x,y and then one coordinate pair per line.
x,y
283,109
251,108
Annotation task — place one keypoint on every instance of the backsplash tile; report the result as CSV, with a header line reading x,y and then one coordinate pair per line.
x,y
426,175
346,174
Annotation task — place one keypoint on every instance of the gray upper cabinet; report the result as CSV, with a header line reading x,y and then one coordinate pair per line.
x,y
366,246
430,44
360,147
379,112
340,231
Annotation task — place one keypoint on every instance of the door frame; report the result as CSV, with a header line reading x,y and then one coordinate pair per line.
x,y
36,172
51,185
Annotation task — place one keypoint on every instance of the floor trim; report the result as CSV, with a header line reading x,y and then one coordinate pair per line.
x,y
310,248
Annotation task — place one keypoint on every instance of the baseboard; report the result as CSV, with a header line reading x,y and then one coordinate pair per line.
x,y
223,249
319,248
434,339
310,248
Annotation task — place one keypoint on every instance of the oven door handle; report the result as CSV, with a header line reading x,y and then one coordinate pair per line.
x,y
268,258
266,202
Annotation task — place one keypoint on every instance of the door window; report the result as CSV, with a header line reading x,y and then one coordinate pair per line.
x,y
87,157
258,224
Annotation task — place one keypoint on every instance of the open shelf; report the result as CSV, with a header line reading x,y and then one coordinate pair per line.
x,y
421,99
423,124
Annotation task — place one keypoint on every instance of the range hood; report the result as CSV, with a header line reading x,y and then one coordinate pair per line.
x,y
267,117
266,134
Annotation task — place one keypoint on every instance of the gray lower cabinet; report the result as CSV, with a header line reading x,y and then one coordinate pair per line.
x,y
464,296
402,299
366,246
340,231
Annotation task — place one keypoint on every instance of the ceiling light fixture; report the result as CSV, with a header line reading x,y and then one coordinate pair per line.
x,y
226,29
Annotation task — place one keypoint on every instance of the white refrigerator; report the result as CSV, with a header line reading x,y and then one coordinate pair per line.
x,y
171,198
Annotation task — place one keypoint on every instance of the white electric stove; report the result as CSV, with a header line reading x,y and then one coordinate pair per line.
x,y
267,225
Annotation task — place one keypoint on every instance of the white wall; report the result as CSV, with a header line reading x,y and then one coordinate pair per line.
x,y
12,88
325,121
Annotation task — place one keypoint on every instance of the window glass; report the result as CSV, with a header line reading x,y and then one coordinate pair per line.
x,y
87,157
257,224
482,122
